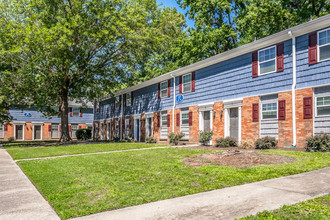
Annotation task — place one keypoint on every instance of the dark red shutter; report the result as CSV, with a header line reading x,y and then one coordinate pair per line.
x,y
308,107
169,88
49,128
255,112
255,64
124,100
190,118
131,98
158,90
70,109
6,127
168,120
312,48
193,81
177,119
80,113
180,84
158,121
79,126
280,57
281,110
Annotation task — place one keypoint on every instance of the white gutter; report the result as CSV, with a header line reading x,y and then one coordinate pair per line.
x,y
294,82
173,102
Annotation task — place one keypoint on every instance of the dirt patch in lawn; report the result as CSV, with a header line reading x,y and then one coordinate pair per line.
x,y
236,158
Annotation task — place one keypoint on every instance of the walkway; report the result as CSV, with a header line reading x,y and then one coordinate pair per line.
x,y
19,199
232,202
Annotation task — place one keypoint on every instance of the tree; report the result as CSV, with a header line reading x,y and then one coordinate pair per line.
x,y
75,49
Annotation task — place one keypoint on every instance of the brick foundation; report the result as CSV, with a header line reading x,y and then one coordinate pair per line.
x,y
218,121
194,128
285,130
250,129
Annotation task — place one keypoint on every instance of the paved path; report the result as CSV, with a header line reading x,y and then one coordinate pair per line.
x,y
19,199
232,202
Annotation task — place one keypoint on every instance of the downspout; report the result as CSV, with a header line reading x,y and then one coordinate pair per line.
x,y
174,88
294,82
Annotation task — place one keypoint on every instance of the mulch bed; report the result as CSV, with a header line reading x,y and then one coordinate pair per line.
x,y
236,158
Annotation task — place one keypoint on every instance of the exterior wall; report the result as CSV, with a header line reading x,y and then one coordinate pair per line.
x,y
285,130
250,130
304,126
156,126
194,128
321,123
268,127
218,121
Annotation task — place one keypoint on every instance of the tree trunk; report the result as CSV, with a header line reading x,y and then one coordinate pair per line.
x,y
65,135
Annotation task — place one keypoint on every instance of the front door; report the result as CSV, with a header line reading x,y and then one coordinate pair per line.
x,y
233,127
137,129
37,132
19,132
149,127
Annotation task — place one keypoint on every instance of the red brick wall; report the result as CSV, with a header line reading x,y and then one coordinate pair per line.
x,y
218,121
169,128
143,128
177,128
285,132
250,130
9,133
156,128
304,126
194,129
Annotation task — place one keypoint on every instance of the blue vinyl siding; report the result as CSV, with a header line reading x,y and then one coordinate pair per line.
x,y
18,115
310,75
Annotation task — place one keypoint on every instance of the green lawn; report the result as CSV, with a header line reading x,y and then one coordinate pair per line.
x,y
318,208
22,152
77,186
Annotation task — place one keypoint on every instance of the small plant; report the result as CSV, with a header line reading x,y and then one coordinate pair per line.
x,y
266,143
151,140
175,138
84,134
205,136
226,142
246,145
11,139
319,143
115,139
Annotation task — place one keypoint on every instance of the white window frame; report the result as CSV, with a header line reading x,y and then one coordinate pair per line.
x,y
117,102
72,130
318,45
181,113
269,102
161,90
316,113
183,91
19,123
58,130
73,113
261,74
2,131
161,124
127,130
41,126
149,115
117,132
128,100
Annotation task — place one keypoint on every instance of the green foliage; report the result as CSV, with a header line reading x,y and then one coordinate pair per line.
x,y
175,138
266,143
84,134
115,139
319,142
246,145
11,139
205,136
226,142
151,140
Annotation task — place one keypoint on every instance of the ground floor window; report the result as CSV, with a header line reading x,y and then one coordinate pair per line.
x,y
323,106
269,110
163,132
55,131
1,131
74,128
185,122
116,128
127,127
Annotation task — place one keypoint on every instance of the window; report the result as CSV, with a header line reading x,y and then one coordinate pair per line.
x,y
128,99
324,44
1,131
127,127
75,112
186,83
185,122
55,131
117,102
97,108
185,119
163,130
267,60
269,110
74,128
116,128
163,89
323,105
164,120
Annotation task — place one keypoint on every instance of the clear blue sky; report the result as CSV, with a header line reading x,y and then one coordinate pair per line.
x,y
172,3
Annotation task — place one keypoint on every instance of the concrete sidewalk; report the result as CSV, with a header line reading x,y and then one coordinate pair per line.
x,y
19,199
232,202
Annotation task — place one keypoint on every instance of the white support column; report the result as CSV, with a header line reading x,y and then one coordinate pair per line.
x,y
239,124
226,123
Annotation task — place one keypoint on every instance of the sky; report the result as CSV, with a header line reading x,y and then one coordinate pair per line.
x,y
172,3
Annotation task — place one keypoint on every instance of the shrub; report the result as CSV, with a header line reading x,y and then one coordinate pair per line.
x,y
116,139
151,140
205,136
246,145
266,143
174,138
319,142
11,139
84,134
226,142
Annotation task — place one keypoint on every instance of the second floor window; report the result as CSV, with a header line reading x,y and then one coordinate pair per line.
x,y
128,99
117,102
267,63
75,112
324,45
163,89
186,83
269,110
323,106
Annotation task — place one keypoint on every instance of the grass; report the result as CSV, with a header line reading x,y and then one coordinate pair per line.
x,y
78,186
318,208
22,152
